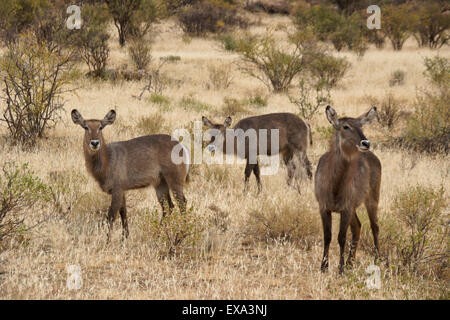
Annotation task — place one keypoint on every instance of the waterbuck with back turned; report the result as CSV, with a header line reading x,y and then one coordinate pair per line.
x,y
132,164
294,136
347,176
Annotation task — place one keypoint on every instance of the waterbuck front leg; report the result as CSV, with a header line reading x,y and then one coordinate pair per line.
x,y
116,203
163,195
326,224
355,226
123,216
346,217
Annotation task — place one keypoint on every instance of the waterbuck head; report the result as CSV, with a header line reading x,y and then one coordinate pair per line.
x,y
93,137
349,135
217,133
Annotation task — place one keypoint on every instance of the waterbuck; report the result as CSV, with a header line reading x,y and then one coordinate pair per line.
x,y
136,163
347,176
293,136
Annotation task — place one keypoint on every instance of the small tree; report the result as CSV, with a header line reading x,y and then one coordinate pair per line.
x,y
139,51
133,17
432,27
398,24
34,80
272,63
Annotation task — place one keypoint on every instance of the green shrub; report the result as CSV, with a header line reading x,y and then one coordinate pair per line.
x,y
423,238
191,103
432,27
139,51
328,70
398,24
20,191
265,59
209,16
397,78
175,233
229,41
171,58
34,80
257,100
437,70
159,99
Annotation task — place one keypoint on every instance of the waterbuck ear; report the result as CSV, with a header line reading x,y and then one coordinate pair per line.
x,y
227,122
108,119
368,117
77,118
332,116
206,122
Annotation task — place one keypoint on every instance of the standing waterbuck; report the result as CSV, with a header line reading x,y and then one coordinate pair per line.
x,y
132,164
347,176
293,136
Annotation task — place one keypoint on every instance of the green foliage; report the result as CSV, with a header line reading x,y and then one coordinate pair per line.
x,y
92,39
159,99
229,41
432,27
139,51
398,24
328,70
191,103
257,100
232,106
325,132
176,232
34,79
428,129
265,59
424,227
209,16
134,18
20,190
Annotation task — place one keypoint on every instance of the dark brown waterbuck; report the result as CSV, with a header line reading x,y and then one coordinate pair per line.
x,y
347,176
132,164
293,137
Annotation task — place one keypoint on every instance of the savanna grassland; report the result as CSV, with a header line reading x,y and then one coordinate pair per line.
x,y
247,246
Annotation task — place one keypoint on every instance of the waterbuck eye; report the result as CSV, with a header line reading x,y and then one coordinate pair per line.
x,y
346,127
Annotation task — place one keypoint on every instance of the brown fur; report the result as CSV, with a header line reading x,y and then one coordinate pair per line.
x,y
136,163
345,178
294,134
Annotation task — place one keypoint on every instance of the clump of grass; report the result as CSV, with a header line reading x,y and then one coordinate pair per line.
x,y
228,41
217,173
152,124
283,221
219,76
397,78
232,106
159,99
258,101
171,58
190,103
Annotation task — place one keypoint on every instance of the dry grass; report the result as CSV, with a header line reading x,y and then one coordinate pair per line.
x,y
225,263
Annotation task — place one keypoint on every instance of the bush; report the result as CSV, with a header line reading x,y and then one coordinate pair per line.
x,y
257,100
209,16
175,233
265,59
232,106
428,129
92,39
139,51
328,70
432,27
34,80
191,103
422,241
397,78
398,24
153,124
229,42
20,191
269,6
219,76
285,222
133,18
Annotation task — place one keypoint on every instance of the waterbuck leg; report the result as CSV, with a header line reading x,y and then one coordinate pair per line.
x,y
355,226
346,217
123,216
163,195
306,164
372,208
180,198
116,202
326,224
248,172
257,172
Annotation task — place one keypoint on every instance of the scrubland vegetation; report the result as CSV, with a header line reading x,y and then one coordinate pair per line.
x,y
162,65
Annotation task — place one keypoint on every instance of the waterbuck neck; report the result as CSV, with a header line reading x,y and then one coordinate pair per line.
x,y
97,163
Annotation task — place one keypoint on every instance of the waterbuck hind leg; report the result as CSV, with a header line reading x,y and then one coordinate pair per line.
x,y
123,216
116,203
179,197
163,195
326,224
257,173
248,172
346,217
372,208
355,226
306,164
